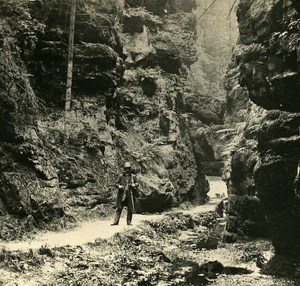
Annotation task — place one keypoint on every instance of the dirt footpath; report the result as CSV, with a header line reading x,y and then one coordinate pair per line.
x,y
89,231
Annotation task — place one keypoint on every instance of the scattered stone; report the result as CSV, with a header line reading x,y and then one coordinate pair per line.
x,y
212,268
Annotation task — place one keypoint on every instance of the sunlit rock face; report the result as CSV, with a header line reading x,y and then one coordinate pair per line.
x,y
129,76
270,71
158,41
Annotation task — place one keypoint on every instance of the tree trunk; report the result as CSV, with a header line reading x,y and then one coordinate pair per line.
x,y
70,68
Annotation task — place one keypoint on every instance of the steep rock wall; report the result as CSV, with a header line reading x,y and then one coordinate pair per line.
x,y
127,105
245,213
158,53
270,71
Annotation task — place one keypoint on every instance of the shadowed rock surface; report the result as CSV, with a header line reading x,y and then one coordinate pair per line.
x,y
268,59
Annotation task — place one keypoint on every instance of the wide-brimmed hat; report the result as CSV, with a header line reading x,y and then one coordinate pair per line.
x,y
127,165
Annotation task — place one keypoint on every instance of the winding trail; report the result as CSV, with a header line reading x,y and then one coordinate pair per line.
x,y
88,231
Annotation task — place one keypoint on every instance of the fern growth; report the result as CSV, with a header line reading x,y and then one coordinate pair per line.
x,y
15,87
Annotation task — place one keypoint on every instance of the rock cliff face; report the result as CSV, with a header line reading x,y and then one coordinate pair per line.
x,y
245,213
129,78
269,33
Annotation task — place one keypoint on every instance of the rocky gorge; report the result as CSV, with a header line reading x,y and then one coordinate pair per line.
x,y
148,88
130,64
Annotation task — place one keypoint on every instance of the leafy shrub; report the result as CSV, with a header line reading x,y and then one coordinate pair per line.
x,y
15,81
14,8
173,222
45,250
28,32
142,235
207,219
25,29
20,261
19,35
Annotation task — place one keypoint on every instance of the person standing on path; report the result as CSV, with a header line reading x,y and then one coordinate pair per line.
x,y
127,194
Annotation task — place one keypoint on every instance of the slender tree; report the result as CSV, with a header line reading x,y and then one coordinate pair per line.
x,y
70,68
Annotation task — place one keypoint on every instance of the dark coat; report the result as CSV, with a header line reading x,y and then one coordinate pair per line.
x,y
127,195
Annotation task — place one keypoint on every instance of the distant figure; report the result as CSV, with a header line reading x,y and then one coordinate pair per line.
x,y
222,208
127,194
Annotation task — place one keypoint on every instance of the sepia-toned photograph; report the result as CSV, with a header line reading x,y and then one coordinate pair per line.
x,y
149,142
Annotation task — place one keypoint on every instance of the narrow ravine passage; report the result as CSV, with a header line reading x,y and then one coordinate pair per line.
x,y
180,89
88,231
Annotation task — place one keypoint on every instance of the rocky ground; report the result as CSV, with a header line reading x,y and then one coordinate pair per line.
x,y
177,248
